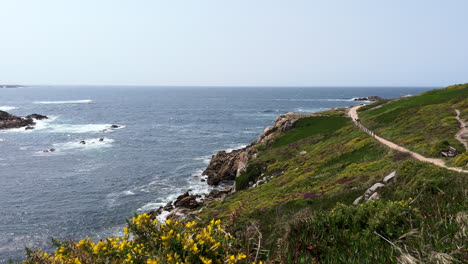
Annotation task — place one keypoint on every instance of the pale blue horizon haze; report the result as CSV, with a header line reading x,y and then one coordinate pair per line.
x,y
234,43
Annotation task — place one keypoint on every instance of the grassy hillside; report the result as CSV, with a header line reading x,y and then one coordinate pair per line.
x,y
425,123
303,212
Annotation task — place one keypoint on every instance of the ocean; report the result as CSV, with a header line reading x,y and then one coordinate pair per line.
x,y
165,138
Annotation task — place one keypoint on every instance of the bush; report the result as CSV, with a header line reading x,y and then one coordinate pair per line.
x,y
145,241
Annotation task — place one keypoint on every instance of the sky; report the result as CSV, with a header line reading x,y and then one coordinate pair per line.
x,y
234,43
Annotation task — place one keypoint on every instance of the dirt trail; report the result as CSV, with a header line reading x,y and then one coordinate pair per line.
x,y
352,112
463,130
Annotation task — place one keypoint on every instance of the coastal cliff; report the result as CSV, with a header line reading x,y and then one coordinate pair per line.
x,y
226,166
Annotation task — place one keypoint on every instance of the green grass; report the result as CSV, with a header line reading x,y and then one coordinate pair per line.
x,y
311,126
425,124
296,210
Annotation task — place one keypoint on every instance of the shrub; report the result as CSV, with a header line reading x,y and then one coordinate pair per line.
x,y
145,241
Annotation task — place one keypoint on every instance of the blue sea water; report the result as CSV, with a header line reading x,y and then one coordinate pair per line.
x,y
166,138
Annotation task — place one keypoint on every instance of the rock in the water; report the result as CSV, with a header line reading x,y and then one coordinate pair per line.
x,y
82,142
12,121
101,139
389,177
37,116
52,150
28,128
187,200
115,126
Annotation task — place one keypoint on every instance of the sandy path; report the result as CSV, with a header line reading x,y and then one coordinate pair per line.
x,y
352,112
463,130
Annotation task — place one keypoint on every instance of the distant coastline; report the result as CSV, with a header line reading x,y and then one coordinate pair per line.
x,y
11,86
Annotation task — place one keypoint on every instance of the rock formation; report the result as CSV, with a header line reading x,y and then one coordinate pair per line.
x,y
369,98
12,121
226,166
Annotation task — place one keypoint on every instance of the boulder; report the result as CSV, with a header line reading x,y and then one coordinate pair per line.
x,y
373,189
28,128
114,126
187,200
82,142
374,197
389,177
358,200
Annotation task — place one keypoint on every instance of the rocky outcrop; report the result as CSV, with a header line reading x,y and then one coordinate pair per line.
x,y
190,204
282,123
369,98
371,194
226,166
8,121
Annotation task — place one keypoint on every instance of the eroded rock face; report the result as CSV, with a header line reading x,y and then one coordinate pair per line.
x,y
282,123
226,166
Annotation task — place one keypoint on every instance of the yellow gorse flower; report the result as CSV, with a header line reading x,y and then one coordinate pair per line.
x,y
148,241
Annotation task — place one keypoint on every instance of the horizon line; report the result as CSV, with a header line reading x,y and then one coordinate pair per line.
x,y
230,86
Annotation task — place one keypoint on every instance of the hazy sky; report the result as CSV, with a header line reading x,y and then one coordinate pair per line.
x,y
238,42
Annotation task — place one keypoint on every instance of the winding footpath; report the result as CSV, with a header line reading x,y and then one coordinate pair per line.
x,y
352,112
463,130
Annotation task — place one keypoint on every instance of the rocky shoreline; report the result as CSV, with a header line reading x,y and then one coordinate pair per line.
x,y
224,167
8,121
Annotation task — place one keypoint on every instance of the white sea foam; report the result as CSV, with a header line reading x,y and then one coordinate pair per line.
x,y
308,110
65,102
233,147
1,140
7,108
86,128
128,192
91,143
206,159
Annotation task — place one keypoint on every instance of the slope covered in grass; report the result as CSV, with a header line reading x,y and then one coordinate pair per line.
x,y
425,123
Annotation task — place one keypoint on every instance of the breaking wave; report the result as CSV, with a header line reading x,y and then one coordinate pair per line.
x,y
7,108
65,102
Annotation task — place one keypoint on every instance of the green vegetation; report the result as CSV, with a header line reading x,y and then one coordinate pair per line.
x,y
310,126
425,123
303,211
145,241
